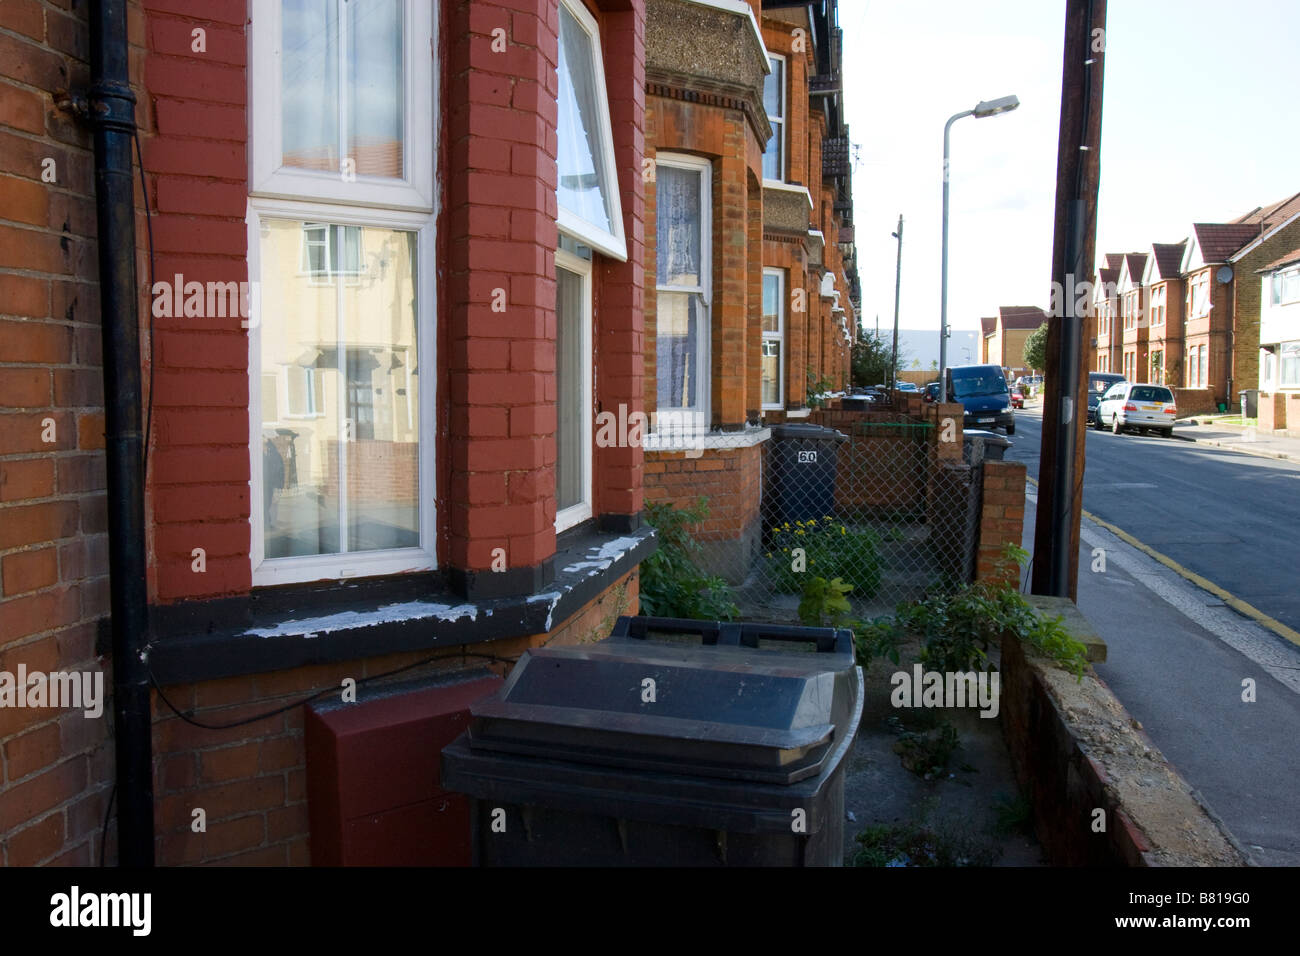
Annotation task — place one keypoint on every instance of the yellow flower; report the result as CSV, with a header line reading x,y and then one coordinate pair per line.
x,y
798,532
842,531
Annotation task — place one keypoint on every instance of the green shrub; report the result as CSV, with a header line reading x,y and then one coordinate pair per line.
x,y
830,550
672,584
958,626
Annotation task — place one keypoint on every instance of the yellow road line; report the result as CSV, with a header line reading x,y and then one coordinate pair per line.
x,y
1231,600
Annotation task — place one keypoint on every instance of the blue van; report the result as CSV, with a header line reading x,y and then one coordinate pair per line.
x,y
982,391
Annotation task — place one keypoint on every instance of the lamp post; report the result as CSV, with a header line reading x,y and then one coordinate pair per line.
x,y
984,108
898,282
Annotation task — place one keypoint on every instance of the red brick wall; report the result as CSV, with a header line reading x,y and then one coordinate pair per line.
x,y
194,133
730,478
620,341
251,781
57,764
1002,518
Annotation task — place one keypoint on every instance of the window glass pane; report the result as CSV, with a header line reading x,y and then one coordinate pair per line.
x,y
309,84
677,198
773,85
584,182
375,87
366,49
346,479
771,372
1205,366
772,153
677,339
570,402
1290,364
771,303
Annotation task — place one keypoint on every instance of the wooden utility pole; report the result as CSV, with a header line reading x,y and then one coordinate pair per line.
x,y
1078,167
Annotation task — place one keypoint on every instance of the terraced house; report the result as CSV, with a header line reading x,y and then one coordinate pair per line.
x,y
1191,312
341,378
752,311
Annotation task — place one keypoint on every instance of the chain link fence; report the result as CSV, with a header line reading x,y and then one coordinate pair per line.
x,y
884,500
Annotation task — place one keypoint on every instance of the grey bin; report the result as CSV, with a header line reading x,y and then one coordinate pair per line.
x,y
737,761
985,445
800,481
1249,402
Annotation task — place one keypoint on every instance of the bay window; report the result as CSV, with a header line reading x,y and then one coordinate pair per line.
x,y
683,255
341,258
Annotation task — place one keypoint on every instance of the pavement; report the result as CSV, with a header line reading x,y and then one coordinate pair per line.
x,y
1242,438
1180,654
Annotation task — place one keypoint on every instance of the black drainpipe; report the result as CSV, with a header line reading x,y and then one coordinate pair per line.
x,y
112,116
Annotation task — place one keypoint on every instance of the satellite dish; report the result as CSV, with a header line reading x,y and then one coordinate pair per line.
x,y
1224,275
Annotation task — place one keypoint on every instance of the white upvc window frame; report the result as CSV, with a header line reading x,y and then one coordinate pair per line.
x,y
1282,278
311,196
679,420
355,564
1199,284
778,336
583,510
270,178
779,123
612,242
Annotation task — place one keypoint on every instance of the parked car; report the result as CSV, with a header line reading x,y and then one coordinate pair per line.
x,y
1137,406
908,387
931,393
1099,384
1017,399
983,393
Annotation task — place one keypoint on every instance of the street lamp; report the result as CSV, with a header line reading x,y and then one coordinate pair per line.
x,y
1004,104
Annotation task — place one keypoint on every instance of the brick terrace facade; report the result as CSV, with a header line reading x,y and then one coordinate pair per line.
x,y
488,438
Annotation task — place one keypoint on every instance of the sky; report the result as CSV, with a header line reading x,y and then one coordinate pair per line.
x,y
1197,126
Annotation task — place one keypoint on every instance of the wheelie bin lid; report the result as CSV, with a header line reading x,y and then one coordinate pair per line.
x,y
738,701
804,431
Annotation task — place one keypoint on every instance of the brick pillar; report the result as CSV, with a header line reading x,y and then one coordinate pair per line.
x,y
502,235
798,336
1002,518
730,278
621,319
754,254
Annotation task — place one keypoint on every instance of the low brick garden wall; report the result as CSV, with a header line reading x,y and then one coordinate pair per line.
x,y
1102,793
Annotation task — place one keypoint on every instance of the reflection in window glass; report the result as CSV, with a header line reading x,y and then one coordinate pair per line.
x,y
570,403
325,122
774,104
340,469
677,349
771,372
584,182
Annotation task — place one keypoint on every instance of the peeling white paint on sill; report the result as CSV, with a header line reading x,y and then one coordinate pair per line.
x,y
602,558
344,620
553,598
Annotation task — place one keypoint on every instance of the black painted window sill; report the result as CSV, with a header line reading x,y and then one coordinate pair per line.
x,y
212,639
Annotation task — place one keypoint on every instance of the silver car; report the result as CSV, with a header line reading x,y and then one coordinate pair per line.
x,y
1137,406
